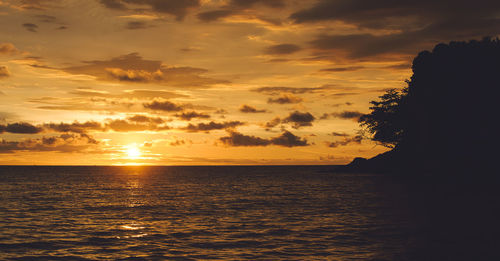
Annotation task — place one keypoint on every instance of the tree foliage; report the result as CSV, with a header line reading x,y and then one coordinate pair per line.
x,y
387,121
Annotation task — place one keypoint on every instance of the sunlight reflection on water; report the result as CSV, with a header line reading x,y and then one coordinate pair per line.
x,y
199,213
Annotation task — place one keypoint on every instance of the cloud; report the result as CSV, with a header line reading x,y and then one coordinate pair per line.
x,y
4,72
299,119
30,27
130,124
163,106
146,119
395,14
236,7
236,139
62,143
343,69
346,141
285,99
214,15
410,26
207,127
249,109
134,25
20,128
286,139
177,143
250,3
179,9
273,123
75,127
36,4
46,18
340,134
133,69
348,115
129,94
192,114
293,90
281,49
8,49
121,125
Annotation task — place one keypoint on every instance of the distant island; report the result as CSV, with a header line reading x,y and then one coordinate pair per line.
x,y
444,121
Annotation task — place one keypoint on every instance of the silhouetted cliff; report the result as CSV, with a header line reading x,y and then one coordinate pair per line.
x,y
448,115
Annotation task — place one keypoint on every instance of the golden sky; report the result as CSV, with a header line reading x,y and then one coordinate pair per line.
x,y
169,82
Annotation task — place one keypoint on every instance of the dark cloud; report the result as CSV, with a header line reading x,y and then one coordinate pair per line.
x,y
133,25
4,72
130,124
133,69
146,119
179,9
114,4
395,14
163,106
342,69
30,27
20,128
348,115
75,127
250,3
234,7
62,27
346,141
207,127
286,139
214,15
46,18
285,99
299,119
281,49
340,134
8,48
273,123
415,25
237,139
293,90
187,116
250,109
62,143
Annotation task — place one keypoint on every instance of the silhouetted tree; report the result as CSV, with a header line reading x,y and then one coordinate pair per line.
x,y
387,120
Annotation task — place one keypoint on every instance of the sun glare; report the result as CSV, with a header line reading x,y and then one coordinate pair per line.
x,y
133,152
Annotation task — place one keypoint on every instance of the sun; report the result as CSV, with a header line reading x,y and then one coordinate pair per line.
x,y
133,152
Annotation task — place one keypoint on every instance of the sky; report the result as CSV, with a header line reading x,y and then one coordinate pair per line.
x,y
210,82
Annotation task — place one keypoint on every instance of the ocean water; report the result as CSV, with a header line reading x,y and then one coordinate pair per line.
x,y
202,213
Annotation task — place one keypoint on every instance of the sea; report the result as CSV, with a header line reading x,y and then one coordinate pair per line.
x,y
205,213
